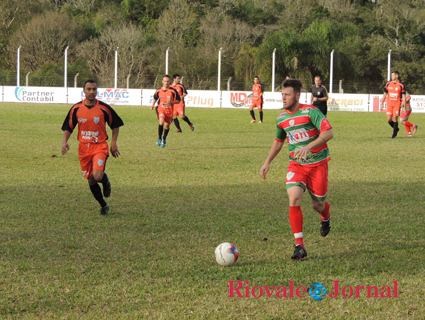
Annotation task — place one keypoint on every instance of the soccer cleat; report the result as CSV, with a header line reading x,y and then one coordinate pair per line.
x,y
260,121
299,253
253,121
192,127
163,143
159,142
409,134
395,134
179,131
326,227
415,128
104,210
107,189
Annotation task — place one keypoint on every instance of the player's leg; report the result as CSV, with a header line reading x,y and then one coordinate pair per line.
x,y
404,119
318,188
160,129
251,111
175,119
167,122
186,118
260,110
395,125
390,116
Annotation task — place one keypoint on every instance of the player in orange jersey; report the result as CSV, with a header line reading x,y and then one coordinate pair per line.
x,y
396,92
257,99
166,98
91,115
179,108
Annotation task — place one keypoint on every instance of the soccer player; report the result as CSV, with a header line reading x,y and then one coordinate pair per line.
x,y
307,131
179,108
257,99
166,97
319,95
396,92
91,115
404,117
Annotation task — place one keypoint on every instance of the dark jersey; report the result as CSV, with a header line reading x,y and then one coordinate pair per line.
x,y
91,121
319,93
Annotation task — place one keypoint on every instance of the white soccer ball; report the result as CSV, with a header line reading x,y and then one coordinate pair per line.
x,y
226,254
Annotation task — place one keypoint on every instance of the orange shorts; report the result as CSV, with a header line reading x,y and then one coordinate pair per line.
x,y
393,110
92,157
179,109
315,179
166,114
257,104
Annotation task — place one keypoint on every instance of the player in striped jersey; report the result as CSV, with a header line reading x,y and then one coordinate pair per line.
x,y
404,117
307,131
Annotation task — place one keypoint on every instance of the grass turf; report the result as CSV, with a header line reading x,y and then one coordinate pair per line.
x,y
153,255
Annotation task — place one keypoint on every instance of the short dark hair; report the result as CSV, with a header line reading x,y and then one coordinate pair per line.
x,y
176,75
294,84
257,77
318,77
89,81
396,72
166,76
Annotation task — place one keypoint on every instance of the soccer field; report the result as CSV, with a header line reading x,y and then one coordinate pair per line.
x,y
153,255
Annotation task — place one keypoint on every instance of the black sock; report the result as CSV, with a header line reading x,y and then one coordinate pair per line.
x,y
395,127
97,193
252,114
104,179
165,134
177,123
261,116
391,123
160,130
187,120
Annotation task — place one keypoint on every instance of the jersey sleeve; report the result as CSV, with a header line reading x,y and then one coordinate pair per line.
x,y
115,121
262,88
280,134
325,92
403,88
183,89
176,94
319,120
71,120
155,96
385,89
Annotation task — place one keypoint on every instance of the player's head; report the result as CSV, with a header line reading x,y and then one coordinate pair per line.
x,y
395,76
90,90
176,78
318,81
291,92
256,79
166,81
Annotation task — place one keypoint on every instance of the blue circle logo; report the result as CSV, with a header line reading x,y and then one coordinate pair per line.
x,y
317,291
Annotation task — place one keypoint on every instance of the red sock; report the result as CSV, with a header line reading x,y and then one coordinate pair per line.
x,y
296,221
408,129
408,124
325,214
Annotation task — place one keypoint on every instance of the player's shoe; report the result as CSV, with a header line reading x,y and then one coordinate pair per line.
x,y
163,143
260,121
326,227
253,121
179,131
409,134
104,210
415,128
107,188
395,134
299,253
192,127
158,143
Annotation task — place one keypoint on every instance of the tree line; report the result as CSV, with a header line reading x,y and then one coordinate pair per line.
x,y
303,33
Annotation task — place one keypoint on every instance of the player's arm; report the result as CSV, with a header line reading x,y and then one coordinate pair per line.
x,y
384,97
114,147
274,151
311,98
154,100
176,97
65,145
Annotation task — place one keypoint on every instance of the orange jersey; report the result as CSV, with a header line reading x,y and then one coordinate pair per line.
x,y
91,121
166,96
395,93
257,89
181,91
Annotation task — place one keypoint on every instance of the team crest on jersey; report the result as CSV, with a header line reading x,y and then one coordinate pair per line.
x,y
305,109
290,175
291,123
96,120
99,162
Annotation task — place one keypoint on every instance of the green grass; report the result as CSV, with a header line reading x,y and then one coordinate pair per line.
x,y
153,255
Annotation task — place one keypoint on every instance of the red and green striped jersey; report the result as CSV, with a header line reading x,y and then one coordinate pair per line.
x,y
300,128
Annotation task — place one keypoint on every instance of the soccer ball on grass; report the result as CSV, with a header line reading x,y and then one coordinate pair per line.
x,y
226,254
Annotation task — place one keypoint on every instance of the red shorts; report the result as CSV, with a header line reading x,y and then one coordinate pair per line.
x,y
405,115
179,109
166,114
393,110
92,157
257,104
315,179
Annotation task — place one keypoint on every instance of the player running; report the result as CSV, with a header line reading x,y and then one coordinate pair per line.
x,y
307,131
404,117
179,108
91,115
166,97
257,100
396,98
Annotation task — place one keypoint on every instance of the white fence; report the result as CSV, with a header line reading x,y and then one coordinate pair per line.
x,y
195,98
